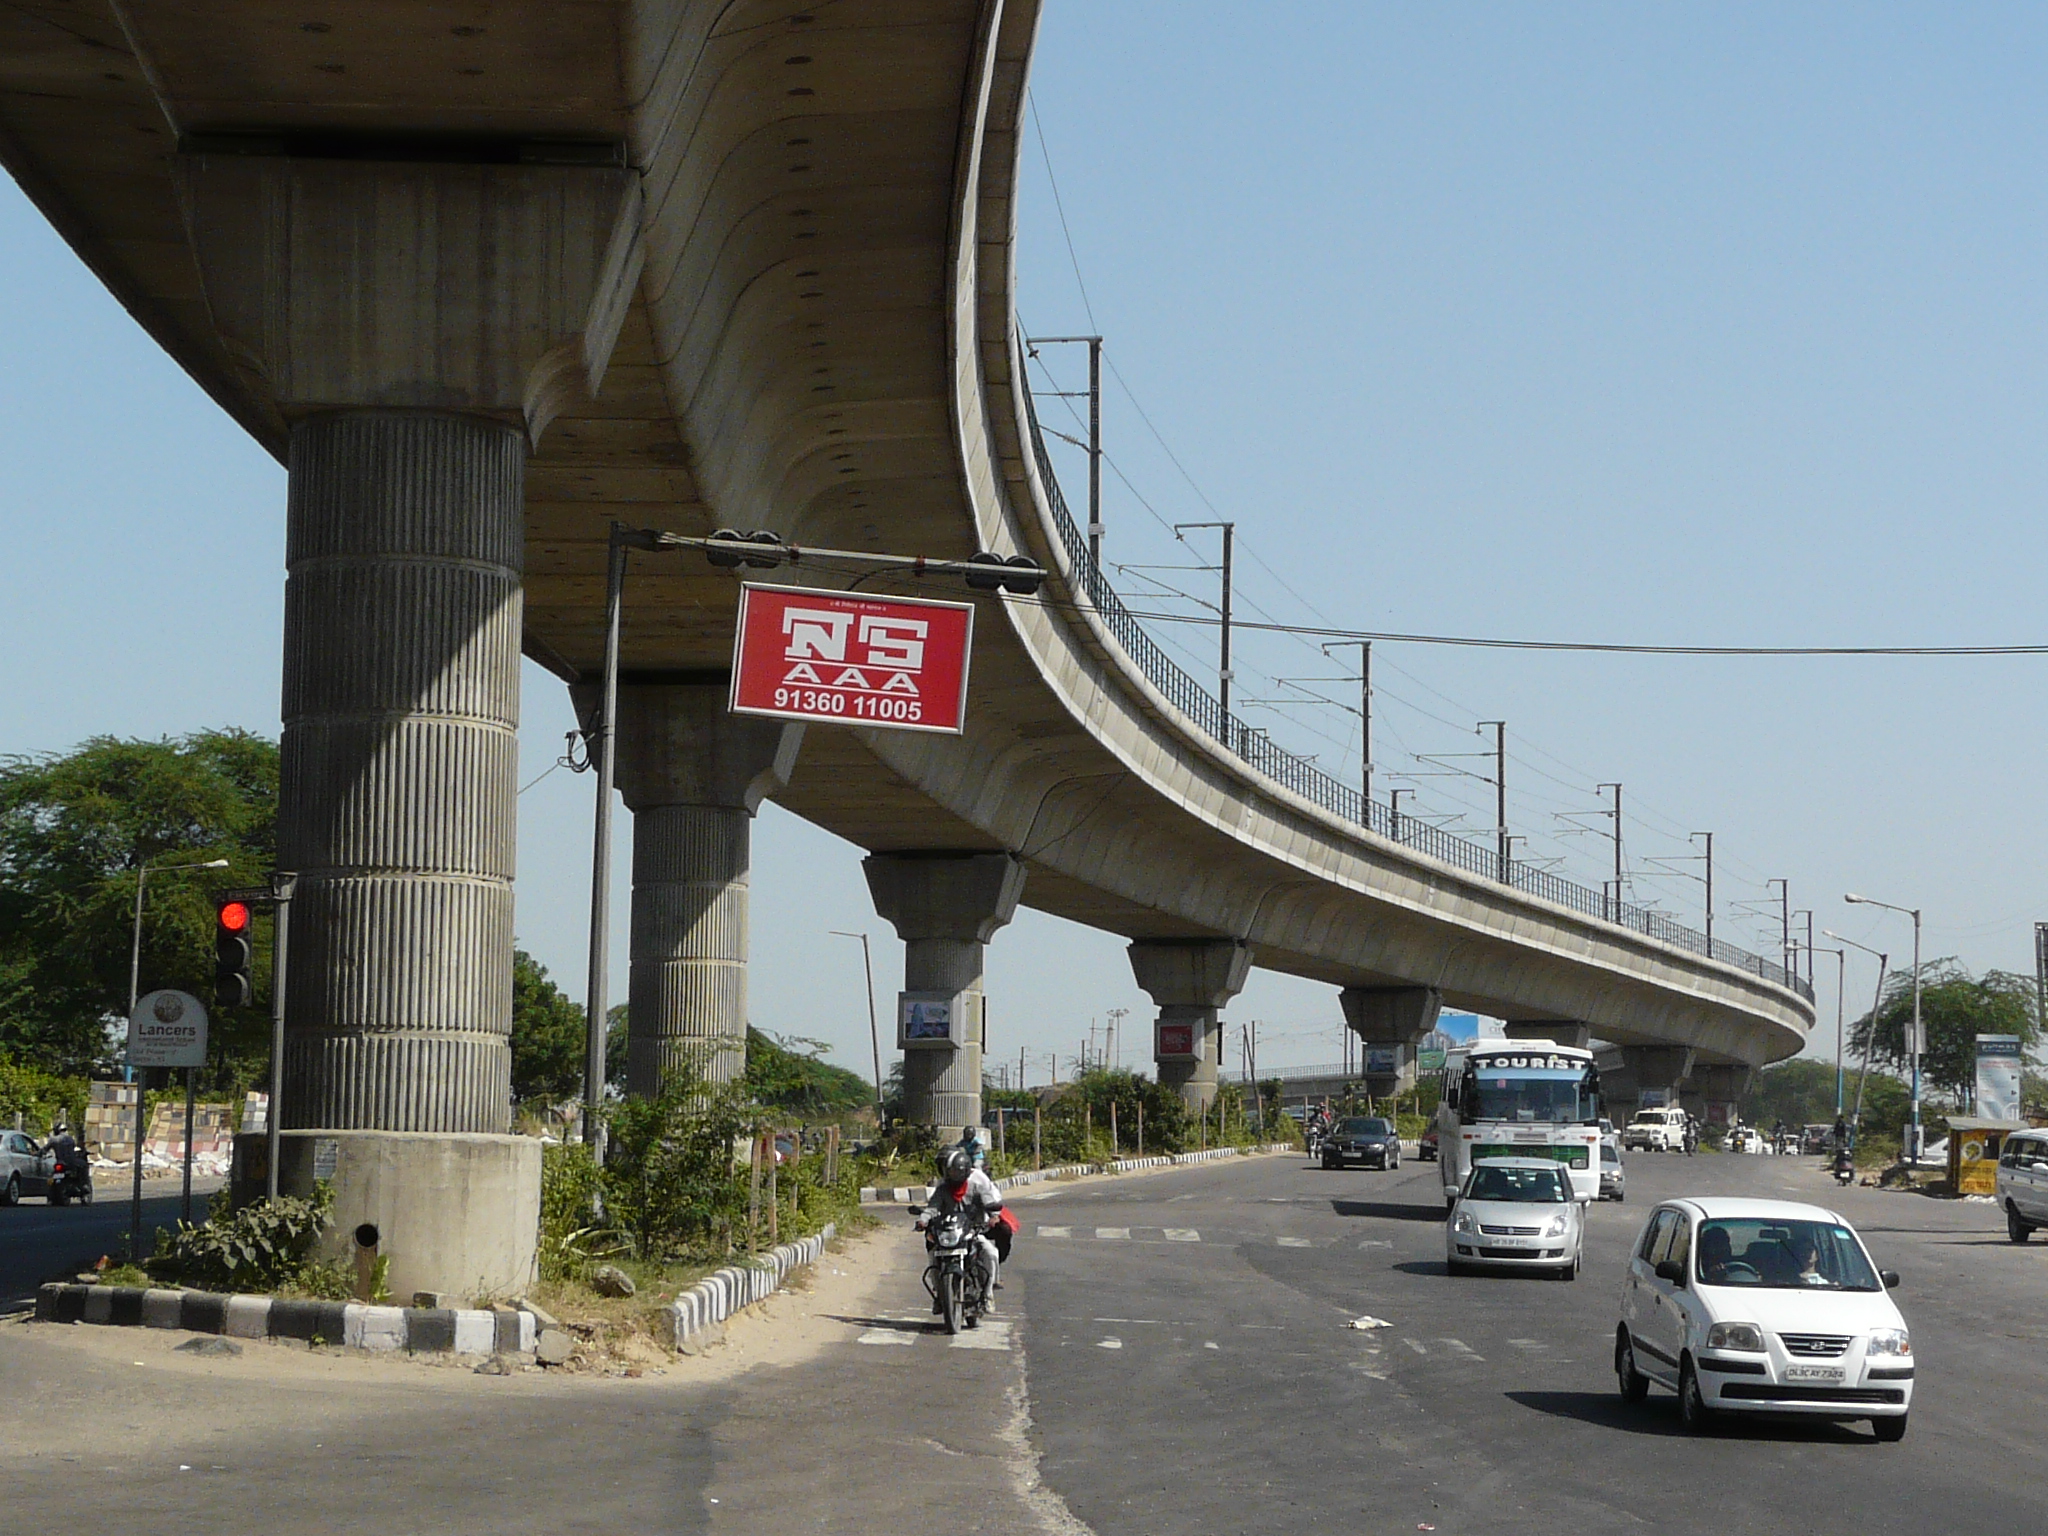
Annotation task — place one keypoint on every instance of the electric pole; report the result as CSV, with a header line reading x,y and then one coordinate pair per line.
x,y
1223,671
1094,344
1710,891
1364,681
1500,784
1616,813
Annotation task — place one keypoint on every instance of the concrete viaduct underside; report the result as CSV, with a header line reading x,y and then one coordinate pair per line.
x,y
489,277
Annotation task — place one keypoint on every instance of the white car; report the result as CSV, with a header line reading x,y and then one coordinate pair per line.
x,y
25,1168
1762,1306
1516,1213
1660,1128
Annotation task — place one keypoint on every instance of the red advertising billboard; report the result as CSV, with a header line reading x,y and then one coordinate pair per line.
x,y
851,659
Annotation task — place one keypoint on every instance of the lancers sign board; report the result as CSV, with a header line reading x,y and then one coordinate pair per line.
x,y
851,659
167,1029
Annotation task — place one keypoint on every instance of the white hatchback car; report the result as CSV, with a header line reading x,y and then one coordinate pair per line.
x,y
1516,1213
1762,1306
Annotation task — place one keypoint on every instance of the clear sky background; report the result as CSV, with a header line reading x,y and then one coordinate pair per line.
x,y
1643,324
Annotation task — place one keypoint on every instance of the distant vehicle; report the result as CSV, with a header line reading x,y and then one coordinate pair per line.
x,y
1425,1147
1660,1128
2023,1183
1762,1306
25,1168
1368,1141
1613,1180
1934,1152
1750,1141
1519,1098
1516,1213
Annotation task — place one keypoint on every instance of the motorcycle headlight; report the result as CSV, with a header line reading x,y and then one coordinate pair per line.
x,y
1889,1341
1466,1222
1743,1336
1556,1227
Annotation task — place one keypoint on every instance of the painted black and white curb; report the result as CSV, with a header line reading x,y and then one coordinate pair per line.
x,y
351,1324
882,1195
718,1296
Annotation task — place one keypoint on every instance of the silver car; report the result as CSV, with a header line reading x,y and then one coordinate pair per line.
x,y
1613,1179
25,1168
2023,1183
1516,1213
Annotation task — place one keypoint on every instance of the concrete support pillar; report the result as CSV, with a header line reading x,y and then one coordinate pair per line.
x,y
693,775
1648,1067
945,907
400,766
1191,981
1719,1088
1391,1019
1559,1031
414,325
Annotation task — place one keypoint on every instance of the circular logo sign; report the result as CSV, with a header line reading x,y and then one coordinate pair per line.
x,y
168,1008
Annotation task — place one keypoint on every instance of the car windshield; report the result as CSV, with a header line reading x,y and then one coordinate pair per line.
x,y
1608,1153
1532,1186
1362,1128
1775,1254
1649,1117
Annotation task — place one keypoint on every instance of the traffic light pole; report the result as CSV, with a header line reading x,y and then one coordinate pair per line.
x,y
281,886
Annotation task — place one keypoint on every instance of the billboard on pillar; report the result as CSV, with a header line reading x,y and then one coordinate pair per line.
x,y
1174,1042
936,1020
849,659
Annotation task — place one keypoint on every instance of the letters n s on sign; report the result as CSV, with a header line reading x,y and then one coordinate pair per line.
x,y
899,662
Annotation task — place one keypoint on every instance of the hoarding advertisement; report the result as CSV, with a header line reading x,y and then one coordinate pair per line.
x,y
1998,1077
849,659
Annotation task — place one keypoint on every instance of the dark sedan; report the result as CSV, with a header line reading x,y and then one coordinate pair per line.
x,y
1369,1142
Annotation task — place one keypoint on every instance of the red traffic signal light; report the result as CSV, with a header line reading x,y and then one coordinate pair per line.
x,y
233,987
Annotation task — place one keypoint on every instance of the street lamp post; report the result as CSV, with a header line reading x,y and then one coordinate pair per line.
x,y
874,1031
1877,1001
1916,1043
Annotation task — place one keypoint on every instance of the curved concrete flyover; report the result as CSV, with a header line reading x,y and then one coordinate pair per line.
x,y
798,318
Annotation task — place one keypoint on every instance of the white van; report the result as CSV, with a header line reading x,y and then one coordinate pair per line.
x,y
2023,1183
1657,1129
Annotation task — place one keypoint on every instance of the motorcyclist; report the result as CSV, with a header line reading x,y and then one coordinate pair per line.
x,y
60,1145
965,1188
972,1144
1692,1136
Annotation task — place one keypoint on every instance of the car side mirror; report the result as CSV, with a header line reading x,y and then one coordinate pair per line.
x,y
1672,1270
1890,1277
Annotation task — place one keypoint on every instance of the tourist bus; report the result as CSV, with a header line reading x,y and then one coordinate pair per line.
x,y
1520,1098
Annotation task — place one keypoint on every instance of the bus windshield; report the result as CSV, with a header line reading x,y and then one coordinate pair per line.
x,y
1526,1096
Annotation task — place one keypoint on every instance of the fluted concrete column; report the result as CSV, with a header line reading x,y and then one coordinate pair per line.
x,y
1191,980
400,762
693,774
945,907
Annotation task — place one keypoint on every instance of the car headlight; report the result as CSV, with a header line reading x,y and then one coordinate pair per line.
x,y
1556,1227
1466,1222
1889,1341
1744,1336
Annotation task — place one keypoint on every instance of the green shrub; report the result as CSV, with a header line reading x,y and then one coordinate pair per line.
x,y
671,1181
265,1246
39,1097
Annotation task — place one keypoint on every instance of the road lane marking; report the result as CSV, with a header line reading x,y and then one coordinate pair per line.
x,y
1109,1344
1106,1233
1459,1346
1210,1344
886,1336
991,1334
1528,1343
1055,1231
1295,1242
1182,1235
1416,1345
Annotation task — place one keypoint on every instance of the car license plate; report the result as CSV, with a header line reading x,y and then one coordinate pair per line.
x,y
1813,1373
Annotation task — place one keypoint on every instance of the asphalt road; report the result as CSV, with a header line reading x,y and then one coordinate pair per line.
x,y
40,1242
1172,1354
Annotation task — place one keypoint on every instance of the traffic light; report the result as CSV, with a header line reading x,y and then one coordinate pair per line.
x,y
232,987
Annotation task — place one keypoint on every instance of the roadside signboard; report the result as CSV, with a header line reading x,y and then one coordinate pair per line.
x,y
850,659
1998,1077
167,1029
1174,1042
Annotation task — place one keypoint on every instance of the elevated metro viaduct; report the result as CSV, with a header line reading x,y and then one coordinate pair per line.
x,y
488,277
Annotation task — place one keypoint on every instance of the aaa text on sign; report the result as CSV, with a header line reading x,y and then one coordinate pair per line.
x,y
851,659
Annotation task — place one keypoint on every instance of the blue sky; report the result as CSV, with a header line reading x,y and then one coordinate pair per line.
x,y
1646,324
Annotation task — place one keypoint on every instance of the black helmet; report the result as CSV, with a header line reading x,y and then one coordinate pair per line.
x,y
955,1166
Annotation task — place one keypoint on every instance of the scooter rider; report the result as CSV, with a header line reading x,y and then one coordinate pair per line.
x,y
965,1188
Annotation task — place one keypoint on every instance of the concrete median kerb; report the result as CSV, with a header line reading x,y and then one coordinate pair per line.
x,y
350,1324
718,1296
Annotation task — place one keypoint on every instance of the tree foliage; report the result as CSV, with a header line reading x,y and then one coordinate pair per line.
x,y
791,1074
75,828
549,1040
1956,1008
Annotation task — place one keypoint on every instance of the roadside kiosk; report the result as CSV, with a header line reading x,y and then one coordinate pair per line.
x,y
1973,1148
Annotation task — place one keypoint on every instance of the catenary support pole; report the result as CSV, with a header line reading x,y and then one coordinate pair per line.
x,y
601,849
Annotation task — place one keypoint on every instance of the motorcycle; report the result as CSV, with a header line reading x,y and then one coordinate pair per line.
x,y
1314,1138
1845,1167
957,1276
71,1179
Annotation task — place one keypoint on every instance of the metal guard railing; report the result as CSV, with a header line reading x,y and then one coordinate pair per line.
x,y
1256,748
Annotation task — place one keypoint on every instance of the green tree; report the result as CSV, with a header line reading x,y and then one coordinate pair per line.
x,y
1956,1008
549,1040
75,828
791,1074
1798,1092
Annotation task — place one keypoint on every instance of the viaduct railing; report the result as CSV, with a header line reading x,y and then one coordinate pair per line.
x,y
1253,746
